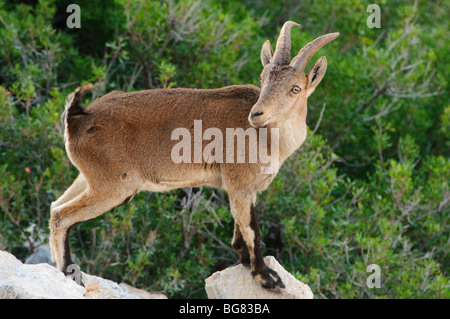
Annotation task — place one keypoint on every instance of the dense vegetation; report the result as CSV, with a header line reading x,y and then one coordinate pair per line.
x,y
369,186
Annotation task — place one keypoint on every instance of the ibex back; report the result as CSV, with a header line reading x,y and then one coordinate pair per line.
x,y
123,143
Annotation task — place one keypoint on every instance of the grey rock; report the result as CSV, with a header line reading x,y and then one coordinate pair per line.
x,y
141,293
43,281
40,255
237,283
39,281
100,288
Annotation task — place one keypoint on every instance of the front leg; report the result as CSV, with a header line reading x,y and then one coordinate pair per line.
x,y
238,244
247,228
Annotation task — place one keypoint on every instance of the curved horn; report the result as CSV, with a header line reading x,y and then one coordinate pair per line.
x,y
305,54
283,48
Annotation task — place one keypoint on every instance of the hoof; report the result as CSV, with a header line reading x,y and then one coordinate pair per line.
x,y
269,280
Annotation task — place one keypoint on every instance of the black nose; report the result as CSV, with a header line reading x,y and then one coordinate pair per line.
x,y
257,113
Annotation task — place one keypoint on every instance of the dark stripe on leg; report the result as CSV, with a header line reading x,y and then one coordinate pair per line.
x,y
67,258
269,278
240,246
259,262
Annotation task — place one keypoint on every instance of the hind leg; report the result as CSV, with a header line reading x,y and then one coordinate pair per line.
x,y
85,206
77,187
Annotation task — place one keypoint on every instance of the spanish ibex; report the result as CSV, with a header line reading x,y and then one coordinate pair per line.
x,y
123,143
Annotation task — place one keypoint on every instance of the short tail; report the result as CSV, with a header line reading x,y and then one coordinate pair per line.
x,y
73,107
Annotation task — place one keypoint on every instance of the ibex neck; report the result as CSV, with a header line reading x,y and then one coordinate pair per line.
x,y
292,132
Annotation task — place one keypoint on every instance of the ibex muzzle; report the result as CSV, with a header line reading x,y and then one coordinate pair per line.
x,y
122,144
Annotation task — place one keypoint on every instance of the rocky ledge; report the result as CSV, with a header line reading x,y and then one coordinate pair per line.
x,y
37,279
43,281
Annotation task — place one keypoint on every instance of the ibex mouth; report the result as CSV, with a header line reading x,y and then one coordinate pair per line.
x,y
259,124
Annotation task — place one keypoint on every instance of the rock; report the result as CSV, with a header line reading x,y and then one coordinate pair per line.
x,y
141,293
100,288
43,281
40,255
237,283
39,281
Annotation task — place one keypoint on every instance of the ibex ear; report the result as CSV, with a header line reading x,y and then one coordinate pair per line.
x,y
315,74
266,53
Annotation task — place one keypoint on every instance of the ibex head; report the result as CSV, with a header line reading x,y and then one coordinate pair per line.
x,y
284,84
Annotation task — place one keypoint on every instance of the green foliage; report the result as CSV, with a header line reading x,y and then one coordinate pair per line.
x,y
333,228
373,188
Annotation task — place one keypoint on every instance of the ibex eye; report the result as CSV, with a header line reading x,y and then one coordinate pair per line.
x,y
296,90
